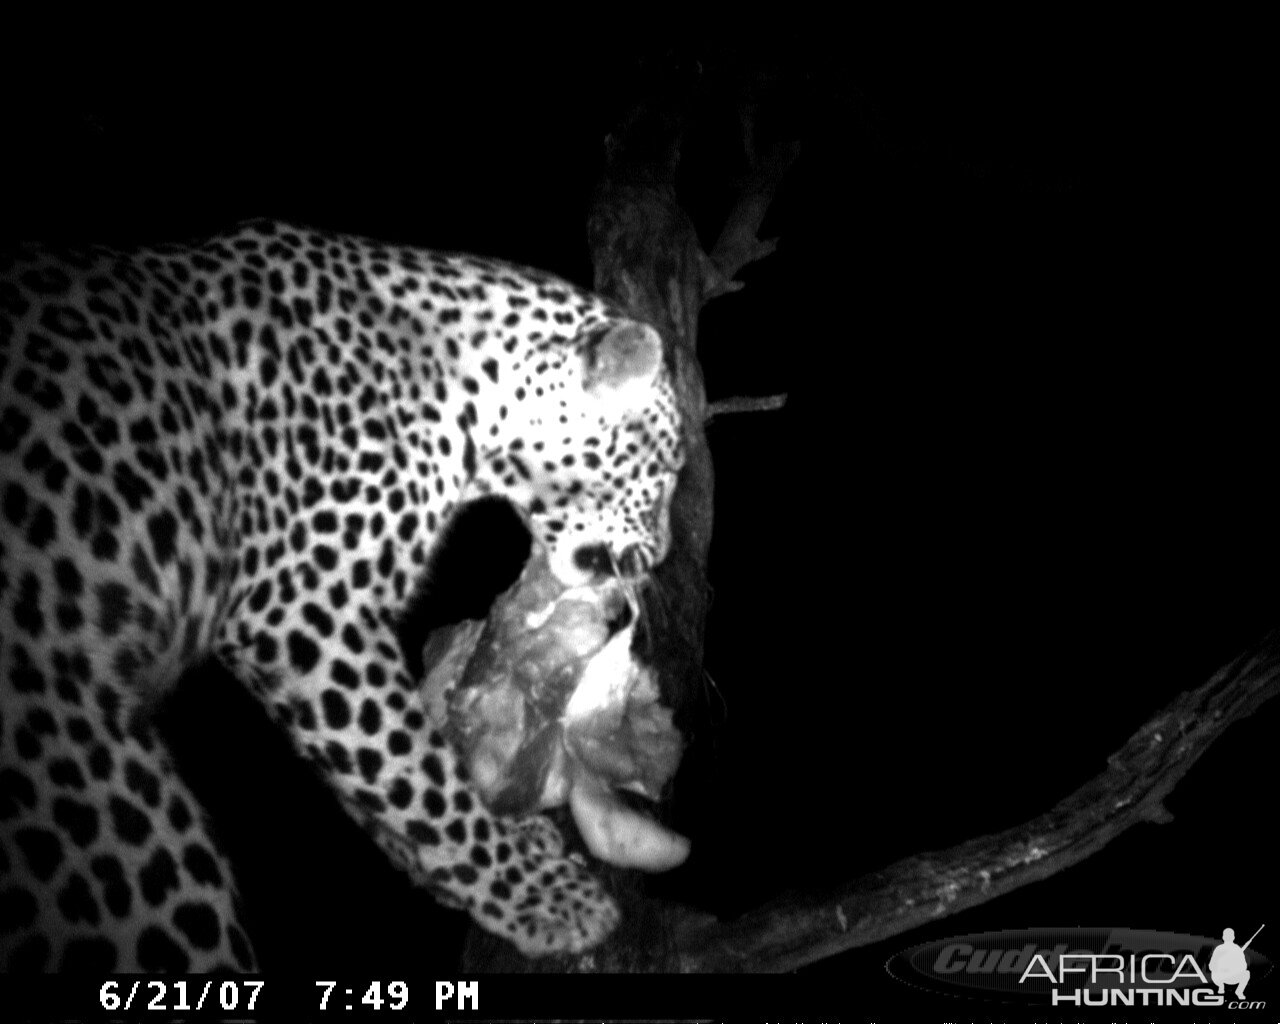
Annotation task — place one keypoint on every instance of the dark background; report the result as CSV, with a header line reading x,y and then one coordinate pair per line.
x,y
1021,494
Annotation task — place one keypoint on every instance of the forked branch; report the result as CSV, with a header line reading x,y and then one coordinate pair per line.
x,y
739,243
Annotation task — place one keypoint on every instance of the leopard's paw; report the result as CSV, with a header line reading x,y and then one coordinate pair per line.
x,y
564,910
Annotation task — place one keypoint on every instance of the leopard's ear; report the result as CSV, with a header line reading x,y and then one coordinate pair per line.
x,y
623,356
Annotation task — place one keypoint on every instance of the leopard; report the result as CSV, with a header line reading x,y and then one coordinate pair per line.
x,y
247,448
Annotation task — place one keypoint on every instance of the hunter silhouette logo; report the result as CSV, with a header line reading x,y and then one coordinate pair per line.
x,y
1227,965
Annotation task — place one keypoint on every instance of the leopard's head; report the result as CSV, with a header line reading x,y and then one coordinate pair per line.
x,y
589,450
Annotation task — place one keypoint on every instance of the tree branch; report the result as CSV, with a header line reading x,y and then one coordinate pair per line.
x,y
800,929
739,244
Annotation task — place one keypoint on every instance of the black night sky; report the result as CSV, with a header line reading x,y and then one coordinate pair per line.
x,y
1019,498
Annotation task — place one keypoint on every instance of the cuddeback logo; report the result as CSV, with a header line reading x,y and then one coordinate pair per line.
x,y
1089,967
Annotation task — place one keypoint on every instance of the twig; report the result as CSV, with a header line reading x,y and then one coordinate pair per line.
x,y
743,403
